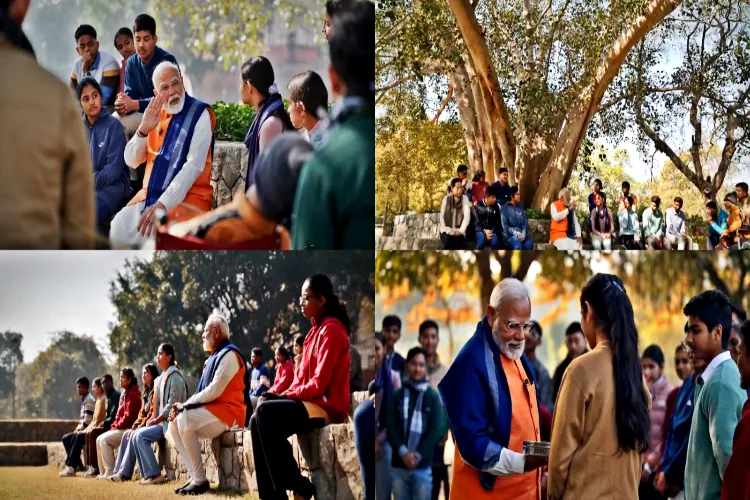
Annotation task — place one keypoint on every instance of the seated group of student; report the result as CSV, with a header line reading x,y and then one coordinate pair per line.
x,y
138,114
230,396
492,215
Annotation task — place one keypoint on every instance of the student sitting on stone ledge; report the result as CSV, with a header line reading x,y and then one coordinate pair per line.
x,y
734,220
131,104
674,227
112,405
170,388
219,404
489,226
125,463
96,64
284,371
107,146
630,234
75,440
653,225
565,231
455,215
319,397
175,139
260,379
515,225
127,413
602,223
100,410
308,100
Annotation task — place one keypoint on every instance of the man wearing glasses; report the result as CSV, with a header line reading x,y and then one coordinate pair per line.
x,y
490,396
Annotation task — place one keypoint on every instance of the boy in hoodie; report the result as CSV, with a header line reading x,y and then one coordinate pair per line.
x,y
716,219
139,88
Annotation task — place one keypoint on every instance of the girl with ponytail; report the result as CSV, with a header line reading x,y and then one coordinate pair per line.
x,y
318,396
601,424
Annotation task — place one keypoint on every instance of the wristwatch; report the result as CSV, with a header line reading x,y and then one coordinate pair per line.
x,y
140,134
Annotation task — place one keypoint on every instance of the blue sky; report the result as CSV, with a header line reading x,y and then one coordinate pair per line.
x,y
45,291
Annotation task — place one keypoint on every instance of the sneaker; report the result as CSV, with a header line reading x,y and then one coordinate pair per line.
x,y
68,472
115,478
91,472
103,477
154,480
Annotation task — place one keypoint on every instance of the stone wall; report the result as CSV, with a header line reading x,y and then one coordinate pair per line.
x,y
24,454
34,431
228,170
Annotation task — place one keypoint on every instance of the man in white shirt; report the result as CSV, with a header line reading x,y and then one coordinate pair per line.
x,y
675,226
562,213
218,405
455,215
175,139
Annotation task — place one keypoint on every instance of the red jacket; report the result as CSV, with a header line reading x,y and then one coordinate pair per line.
x,y
284,377
736,483
324,371
130,405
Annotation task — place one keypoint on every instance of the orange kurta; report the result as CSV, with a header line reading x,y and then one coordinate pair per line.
x,y
524,426
201,192
558,229
230,406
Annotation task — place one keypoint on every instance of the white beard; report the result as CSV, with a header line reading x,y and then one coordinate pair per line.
x,y
513,349
174,109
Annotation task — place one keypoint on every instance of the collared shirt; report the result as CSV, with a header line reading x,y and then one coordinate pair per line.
x,y
195,162
104,70
315,136
724,356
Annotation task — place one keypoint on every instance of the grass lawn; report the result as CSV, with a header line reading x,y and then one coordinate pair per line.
x,y
43,483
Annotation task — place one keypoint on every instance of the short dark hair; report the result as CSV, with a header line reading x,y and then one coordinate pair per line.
x,y
309,89
712,308
536,327
414,352
502,170
257,351
677,199
83,381
85,29
299,339
282,350
461,169
573,328
144,22
455,181
352,48
599,181
108,377
630,199
657,200
731,197
333,7
712,205
427,324
124,31
489,191
654,352
513,190
390,321
742,185
626,184
86,82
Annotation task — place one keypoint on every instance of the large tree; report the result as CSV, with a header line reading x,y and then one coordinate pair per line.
x,y
527,77
11,356
170,298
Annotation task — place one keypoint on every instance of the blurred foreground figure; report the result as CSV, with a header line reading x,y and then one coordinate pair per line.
x,y
46,184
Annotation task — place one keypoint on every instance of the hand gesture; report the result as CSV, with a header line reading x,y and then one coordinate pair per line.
x,y
147,222
410,460
153,113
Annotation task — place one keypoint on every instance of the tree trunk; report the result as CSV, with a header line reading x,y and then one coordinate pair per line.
x,y
491,154
494,104
579,116
467,111
486,284
534,152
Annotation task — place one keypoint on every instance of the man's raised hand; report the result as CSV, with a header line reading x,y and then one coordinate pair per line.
x,y
152,114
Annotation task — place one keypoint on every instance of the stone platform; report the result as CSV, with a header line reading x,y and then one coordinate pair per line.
x,y
228,170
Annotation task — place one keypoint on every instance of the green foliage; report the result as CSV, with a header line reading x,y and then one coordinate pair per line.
x,y
232,120
170,298
10,357
537,214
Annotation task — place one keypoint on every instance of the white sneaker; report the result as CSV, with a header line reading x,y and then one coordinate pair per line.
x,y
91,472
115,478
68,472
103,477
156,480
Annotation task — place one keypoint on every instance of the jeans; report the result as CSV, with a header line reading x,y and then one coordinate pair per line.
x,y
126,456
515,243
383,479
364,440
412,484
482,241
142,439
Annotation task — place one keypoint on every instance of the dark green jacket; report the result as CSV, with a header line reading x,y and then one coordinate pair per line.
x,y
435,424
113,403
334,208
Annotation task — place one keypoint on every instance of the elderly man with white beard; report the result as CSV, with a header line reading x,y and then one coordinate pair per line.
x,y
490,395
175,139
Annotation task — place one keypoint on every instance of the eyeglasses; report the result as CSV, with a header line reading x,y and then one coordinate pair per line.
x,y
517,327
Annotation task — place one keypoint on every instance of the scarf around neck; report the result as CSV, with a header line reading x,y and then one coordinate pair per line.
x,y
454,214
252,139
413,434
598,216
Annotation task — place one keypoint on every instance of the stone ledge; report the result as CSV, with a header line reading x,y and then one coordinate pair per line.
x,y
228,170
34,430
24,454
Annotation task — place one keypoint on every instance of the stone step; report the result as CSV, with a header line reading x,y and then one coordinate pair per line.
x,y
23,454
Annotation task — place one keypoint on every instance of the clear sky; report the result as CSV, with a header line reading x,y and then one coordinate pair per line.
x,y
42,292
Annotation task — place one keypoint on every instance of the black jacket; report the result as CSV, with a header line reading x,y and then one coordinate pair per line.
x,y
488,217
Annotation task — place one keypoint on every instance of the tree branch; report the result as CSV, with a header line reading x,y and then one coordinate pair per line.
x,y
445,102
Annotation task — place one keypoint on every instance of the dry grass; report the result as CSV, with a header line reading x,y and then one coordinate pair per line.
x,y
43,483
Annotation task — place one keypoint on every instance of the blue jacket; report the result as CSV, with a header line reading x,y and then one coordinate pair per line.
x,y
717,228
138,84
111,177
476,396
513,221
678,432
255,376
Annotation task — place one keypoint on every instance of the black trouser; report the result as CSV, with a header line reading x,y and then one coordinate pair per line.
x,y
270,427
629,241
440,476
73,443
451,242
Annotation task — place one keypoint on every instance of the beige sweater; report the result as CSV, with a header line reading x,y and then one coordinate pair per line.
x,y
585,460
100,411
